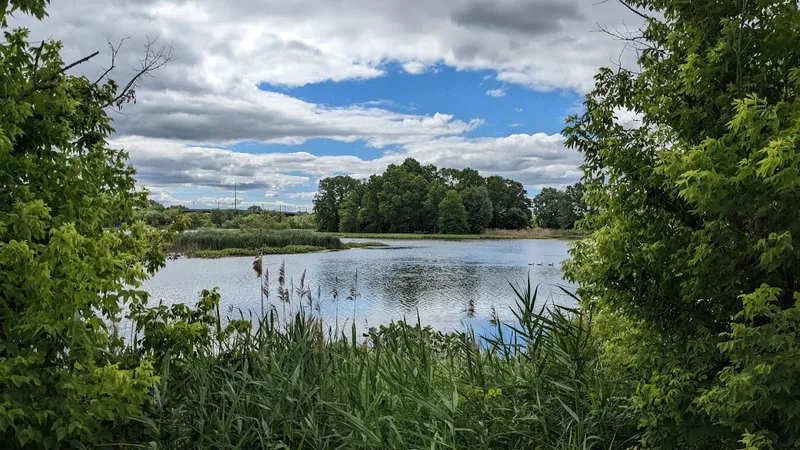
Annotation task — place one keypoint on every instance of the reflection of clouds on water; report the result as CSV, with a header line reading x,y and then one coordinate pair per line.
x,y
435,279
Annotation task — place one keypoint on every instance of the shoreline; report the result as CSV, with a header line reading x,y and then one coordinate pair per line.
x,y
533,234
269,251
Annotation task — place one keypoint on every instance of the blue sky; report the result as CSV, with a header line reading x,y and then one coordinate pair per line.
x,y
272,96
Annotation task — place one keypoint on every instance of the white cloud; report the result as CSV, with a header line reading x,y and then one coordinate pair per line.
x,y
519,110
542,44
303,195
496,93
414,67
533,159
515,125
245,113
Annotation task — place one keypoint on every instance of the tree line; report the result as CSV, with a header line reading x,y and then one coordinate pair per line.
x,y
157,215
412,198
554,208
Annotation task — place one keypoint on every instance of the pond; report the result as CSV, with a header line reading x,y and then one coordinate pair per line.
x,y
427,280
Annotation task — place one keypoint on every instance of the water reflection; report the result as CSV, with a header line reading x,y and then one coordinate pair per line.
x,y
435,279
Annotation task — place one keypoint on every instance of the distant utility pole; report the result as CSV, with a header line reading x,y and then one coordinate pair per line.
x,y
217,204
192,204
234,194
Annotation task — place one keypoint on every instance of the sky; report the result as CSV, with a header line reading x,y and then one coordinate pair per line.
x,y
269,97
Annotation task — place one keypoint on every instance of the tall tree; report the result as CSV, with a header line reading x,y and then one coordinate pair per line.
x,y
548,206
574,207
348,213
369,216
479,208
510,203
70,250
436,193
452,215
402,196
329,198
696,214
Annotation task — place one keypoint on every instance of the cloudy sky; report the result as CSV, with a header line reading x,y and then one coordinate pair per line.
x,y
274,95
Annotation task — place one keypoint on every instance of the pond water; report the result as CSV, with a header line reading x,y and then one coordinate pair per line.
x,y
429,279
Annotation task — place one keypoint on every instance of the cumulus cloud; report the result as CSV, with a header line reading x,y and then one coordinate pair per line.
x,y
242,112
303,195
533,159
414,67
496,93
544,44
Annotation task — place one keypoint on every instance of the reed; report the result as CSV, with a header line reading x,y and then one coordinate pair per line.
x,y
535,382
235,239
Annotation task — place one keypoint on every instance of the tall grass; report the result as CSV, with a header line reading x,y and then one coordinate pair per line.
x,y
533,383
225,239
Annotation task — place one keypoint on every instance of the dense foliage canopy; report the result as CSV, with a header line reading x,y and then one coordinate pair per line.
x,y
694,262
554,208
406,198
71,254
252,218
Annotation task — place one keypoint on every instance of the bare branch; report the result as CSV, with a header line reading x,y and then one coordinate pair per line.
x,y
153,59
114,53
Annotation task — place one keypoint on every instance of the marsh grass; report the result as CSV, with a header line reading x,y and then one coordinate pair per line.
x,y
536,382
228,252
235,239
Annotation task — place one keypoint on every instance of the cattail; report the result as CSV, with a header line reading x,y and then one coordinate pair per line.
x,y
470,309
354,295
494,319
258,265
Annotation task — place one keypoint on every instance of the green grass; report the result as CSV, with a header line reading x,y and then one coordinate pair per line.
x,y
369,244
286,250
296,384
235,239
536,233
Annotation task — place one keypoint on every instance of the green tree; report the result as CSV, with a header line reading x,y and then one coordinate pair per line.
x,y
461,179
348,213
402,197
509,199
369,216
479,208
573,207
329,198
71,252
218,217
436,193
452,215
693,254
548,206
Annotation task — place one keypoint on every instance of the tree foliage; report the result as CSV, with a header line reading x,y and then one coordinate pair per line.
x,y
695,222
478,207
71,252
406,198
560,209
510,203
452,214
329,199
